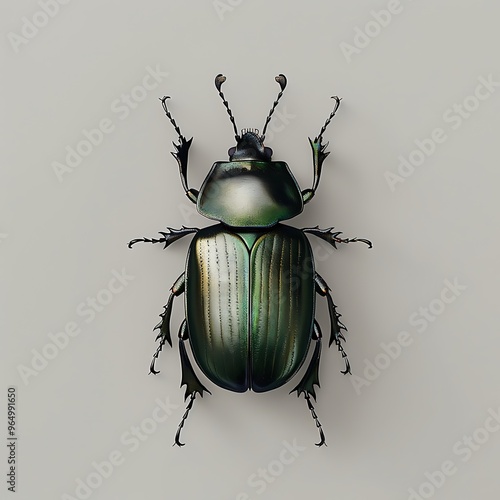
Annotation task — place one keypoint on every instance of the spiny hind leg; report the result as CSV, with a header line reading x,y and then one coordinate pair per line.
x,y
189,379
310,379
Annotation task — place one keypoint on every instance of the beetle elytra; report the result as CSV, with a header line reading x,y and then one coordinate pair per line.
x,y
250,283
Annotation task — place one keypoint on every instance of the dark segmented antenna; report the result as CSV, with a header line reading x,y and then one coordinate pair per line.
x,y
329,119
167,112
219,80
281,79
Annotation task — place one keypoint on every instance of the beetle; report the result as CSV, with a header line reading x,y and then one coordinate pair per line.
x,y
250,282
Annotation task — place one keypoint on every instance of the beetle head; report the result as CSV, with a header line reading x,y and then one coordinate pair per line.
x,y
250,146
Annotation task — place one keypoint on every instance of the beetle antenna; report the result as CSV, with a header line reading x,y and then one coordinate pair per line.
x,y
219,80
281,79
167,112
329,119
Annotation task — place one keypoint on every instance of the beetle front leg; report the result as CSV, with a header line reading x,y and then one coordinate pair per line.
x,y
164,325
336,326
181,153
319,154
310,379
189,379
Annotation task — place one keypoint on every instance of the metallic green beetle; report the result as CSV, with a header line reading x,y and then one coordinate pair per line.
x,y
250,282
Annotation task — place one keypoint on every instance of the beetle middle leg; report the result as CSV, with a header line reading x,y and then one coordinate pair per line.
x,y
164,325
168,236
310,379
189,379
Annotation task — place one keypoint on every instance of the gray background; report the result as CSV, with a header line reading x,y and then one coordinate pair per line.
x,y
61,240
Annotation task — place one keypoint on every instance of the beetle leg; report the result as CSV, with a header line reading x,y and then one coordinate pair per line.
x,y
319,156
319,153
336,326
332,237
189,379
169,236
164,325
181,425
310,379
181,153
